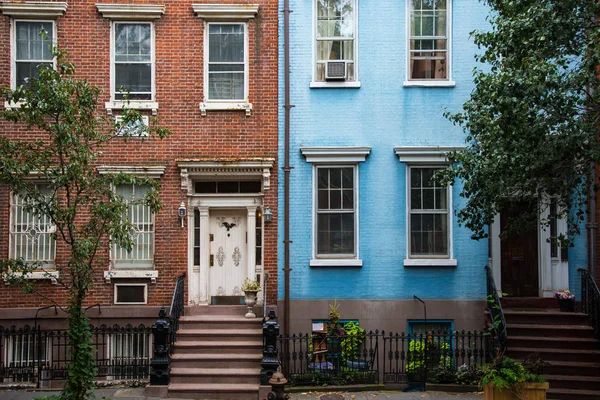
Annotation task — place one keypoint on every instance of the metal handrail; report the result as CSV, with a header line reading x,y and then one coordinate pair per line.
x,y
176,310
265,280
590,300
496,313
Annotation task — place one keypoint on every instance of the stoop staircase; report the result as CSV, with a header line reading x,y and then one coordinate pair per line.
x,y
563,340
217,354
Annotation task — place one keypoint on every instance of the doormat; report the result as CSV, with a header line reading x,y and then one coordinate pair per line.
x,y
227,300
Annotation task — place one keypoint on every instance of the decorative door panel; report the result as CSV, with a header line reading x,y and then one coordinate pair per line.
x,y
227,267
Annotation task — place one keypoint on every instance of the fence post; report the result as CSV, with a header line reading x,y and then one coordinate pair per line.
x,y
159,365
269,362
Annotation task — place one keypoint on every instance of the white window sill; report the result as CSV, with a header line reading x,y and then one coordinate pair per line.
x,y
332,262
335,85
225,106
9,105
438,84
38,275
430,262
130,274
131,105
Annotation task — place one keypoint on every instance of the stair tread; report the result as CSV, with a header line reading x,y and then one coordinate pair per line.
x,y
220,318
213,387
233,343
546,312
572,378
220,357
215,371
549,326
567,363
575,391
545,350
553,338
224,332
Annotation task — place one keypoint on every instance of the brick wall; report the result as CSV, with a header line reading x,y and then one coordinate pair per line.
x,y
85,34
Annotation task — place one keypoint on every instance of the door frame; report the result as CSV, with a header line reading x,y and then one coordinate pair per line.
x,y
198,276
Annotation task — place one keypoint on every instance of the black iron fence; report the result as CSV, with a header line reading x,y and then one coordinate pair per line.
x,y
379,357
497,321
590,300
35,356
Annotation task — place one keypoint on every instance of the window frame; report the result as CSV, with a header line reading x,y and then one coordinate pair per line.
x,y
113,90
315,84
124,266
432,259
448,82
206,57
13,44
118,285
45,265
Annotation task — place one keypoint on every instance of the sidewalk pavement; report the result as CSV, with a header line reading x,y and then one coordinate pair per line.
x,y
138,394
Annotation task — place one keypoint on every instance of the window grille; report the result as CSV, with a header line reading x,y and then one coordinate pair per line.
x,y
129,353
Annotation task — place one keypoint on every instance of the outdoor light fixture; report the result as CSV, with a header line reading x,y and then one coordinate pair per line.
x,y
267,214
181,212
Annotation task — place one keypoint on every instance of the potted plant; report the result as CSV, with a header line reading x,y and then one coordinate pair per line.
x,y
507,379
250,288
566,301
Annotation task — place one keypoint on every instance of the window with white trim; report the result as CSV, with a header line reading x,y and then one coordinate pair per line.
x,y
226,64
336,212
129,353
33,41
32,235
27,349
428,205
335,40
428,37
141,218
133,61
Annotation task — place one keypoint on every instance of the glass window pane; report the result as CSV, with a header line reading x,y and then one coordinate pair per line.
x,y
335,178
226,68
226,86
440,199
335,234
428,203
323,176
323,202
335,196
133,77
132,42
347,178
348,199
226,43
416,199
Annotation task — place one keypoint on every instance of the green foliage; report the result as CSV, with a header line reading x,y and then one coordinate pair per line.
x,y
80,202
466,375
531,120
506,373
416,356
353,341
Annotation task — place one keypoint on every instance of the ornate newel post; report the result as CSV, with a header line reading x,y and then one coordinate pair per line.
x,y
269,362
159,365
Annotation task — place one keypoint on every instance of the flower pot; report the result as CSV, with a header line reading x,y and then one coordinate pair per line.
x,y
524,391
250,300
566,305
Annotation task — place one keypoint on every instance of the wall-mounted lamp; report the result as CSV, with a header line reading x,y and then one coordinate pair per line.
x,y
267,214
181,212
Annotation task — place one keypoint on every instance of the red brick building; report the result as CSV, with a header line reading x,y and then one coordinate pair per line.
x,y
208,70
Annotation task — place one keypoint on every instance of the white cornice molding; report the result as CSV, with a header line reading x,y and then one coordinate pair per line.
x,y
30,9
228,12
425,154
137,12
130,274
152,171
343,154
214,169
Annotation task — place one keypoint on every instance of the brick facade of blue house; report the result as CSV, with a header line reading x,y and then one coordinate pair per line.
x,y
370,82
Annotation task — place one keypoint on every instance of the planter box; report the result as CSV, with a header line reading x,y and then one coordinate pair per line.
x,y
527,391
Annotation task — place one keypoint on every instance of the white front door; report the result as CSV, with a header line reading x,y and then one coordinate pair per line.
x,y
228,252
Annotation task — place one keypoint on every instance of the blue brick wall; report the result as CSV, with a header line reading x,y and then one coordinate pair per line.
x,y
382,114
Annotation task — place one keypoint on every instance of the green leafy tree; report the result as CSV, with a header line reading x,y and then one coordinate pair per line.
x,y
80,203
532,118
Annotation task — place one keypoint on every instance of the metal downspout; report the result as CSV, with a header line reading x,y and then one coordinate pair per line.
x,y
286,168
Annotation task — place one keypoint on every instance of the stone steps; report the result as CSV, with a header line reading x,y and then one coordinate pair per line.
x,y
214,391
215,375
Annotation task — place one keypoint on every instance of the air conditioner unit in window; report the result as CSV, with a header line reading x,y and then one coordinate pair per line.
x,y
336,70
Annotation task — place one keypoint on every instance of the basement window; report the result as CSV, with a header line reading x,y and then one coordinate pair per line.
x,y
131,293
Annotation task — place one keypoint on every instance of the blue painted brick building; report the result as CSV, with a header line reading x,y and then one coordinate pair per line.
x,y
370,82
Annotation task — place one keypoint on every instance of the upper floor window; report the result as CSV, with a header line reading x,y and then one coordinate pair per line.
x,y
133,70
429,40
33,42
227,61
32,235
141,218
335,40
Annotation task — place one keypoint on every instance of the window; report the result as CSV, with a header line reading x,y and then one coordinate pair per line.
x,y
129,354
428,220
335,40
142,231
227,64
27,349
131,293
31,235
33,48
133,68
429,44
336,212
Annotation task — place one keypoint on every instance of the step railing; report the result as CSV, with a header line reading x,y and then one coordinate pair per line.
x,y
498,322
176,310
590,300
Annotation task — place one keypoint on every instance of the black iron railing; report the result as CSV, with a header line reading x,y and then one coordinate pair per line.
x,y
176,310
498,323
32,355
318,359
435,356
590,300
